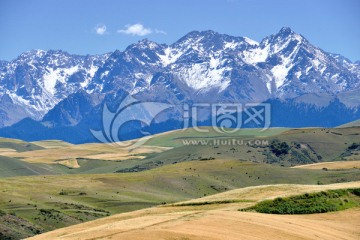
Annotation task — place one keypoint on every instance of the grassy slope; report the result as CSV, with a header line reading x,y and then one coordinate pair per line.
x,y
18,145
314,142
221,220
181,173
351,124
12,167
56,152
317,145
75,198
332,165
328,143
52,143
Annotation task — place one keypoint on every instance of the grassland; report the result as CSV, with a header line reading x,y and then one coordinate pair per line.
x,y
351,124
331,165
52,184
54,154
306,146
12,167
72,199
17,145
221,220
52,144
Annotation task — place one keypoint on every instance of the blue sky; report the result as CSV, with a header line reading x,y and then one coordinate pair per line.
x,y
99,26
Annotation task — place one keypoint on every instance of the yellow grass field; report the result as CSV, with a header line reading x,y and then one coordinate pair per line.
x,y
222,221
332,165
59,153
5,151
52,143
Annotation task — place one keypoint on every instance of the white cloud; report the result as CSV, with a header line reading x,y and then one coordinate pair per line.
x,y
160,31
100,29
139,30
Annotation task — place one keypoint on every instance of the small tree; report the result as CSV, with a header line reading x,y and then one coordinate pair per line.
x,y
279,148
354,146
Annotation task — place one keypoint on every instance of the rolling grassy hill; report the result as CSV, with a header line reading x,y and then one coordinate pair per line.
x,y
351,124
50,202
305,146
18,145
11,167
221,219
332,165
77,183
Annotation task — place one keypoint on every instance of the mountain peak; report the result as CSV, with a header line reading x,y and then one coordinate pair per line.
x,y
286,31
32,53
143,44
208,32
197,34
145,41
285,34
209,39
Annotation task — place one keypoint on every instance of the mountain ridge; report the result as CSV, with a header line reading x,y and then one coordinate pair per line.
x,y
201,67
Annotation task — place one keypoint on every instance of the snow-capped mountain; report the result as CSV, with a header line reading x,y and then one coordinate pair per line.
x,y
37,80
298,67
202,66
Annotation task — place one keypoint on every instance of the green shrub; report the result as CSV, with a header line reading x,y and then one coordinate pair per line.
x,y
279,148
321,202
63,192
355,191
354,146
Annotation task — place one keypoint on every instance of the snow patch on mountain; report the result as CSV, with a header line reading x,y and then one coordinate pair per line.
x,y
57,75
251,42
280,72
204,77
231,45
256,55
170,56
